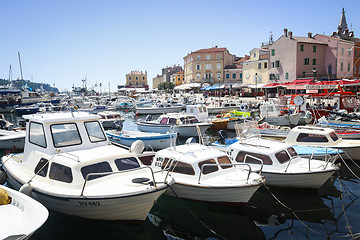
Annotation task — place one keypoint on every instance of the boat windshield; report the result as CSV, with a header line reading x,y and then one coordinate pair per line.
x,y
307,137
66,134
126,163
102,167
94,131
224,160
292,152
282,156
249,157
334,136
208,168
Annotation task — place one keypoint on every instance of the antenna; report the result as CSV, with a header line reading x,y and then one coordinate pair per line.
x,y
22,78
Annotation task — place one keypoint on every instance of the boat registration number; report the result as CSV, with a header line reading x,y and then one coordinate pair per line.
x,y
85,204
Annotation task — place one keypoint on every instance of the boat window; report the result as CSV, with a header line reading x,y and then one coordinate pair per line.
x,y
250,158
164,121
224,160
200,110
177,166
282,156
306,137
60,173
333,136
95,131
172,121
192,119
208,169
204,108
37,135
66,134
292,152
126,163
43,165
102,167
165,163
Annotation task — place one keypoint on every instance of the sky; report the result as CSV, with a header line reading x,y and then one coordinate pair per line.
x,y
61,42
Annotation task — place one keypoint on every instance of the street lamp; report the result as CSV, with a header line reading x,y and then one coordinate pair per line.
x,y
256,78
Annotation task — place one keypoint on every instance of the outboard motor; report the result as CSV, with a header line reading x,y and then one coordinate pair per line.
x,y
222,137
117,125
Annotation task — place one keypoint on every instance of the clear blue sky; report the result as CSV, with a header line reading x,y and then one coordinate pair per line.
x,y
63,41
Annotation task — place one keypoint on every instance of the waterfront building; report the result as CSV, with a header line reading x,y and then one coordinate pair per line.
x,y
177,78
136,79
207,65
296,57
256,69
167,72
156,81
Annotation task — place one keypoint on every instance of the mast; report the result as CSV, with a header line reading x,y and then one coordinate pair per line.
x,y
22,78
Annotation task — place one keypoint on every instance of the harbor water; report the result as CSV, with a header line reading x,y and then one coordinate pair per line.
x,y
332,212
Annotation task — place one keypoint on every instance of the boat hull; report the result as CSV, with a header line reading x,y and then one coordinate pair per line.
x,y
122,208
183,130
241,194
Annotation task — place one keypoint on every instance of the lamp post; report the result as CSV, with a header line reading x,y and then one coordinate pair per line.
x,y
256,78
219,89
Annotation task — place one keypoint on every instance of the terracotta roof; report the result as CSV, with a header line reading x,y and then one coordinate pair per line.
x,y
308,40
214,49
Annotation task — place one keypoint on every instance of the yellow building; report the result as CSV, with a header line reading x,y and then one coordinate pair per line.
x,y
256,69
177,78
157,81
207,65
136,79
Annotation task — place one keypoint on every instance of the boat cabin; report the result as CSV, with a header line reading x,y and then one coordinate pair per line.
x,y
200,111
177,119
187,160
262,151
305,135
268,109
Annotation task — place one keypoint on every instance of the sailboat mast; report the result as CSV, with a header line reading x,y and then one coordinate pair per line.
x,y
22,78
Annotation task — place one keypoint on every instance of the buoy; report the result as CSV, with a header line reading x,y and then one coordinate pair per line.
x,y
3,177
281,218
26,189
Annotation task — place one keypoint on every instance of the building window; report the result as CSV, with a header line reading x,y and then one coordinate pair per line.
x,y
218,65
272,52
234,75
314,48
129,78
342,51
218,76
198,76
277,63
198,57
208,57
198,66
301,47
359,70
208,66
348,67
259,65
143,78
342,66
314,61
265,64
349,51
254,55
218,56
286,75
227,76
272,64
241,74
355,54
277,76
306,61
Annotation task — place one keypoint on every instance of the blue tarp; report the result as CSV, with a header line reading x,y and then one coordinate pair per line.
x,y
209,88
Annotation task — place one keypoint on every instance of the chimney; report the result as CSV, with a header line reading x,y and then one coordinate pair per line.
x,y
285,32
290,34
309,35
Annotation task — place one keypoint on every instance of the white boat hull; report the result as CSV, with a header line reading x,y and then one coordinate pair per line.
x,y
183,130
124,208
297,180
11,140
144,110
241,194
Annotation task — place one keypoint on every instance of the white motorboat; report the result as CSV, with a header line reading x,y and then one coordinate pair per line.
x,y
110,118
280,164
205,174
217,106
155,141
22,214
270,113
182,123
158,108
70,166
324,137
12,139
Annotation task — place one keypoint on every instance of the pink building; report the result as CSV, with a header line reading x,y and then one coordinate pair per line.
x,y
296,57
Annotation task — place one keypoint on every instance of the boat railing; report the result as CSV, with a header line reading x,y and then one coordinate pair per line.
x,y
256,158
118,172
224,164
59,152
328,158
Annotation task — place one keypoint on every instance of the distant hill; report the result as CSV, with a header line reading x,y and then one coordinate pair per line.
x,y
20,83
